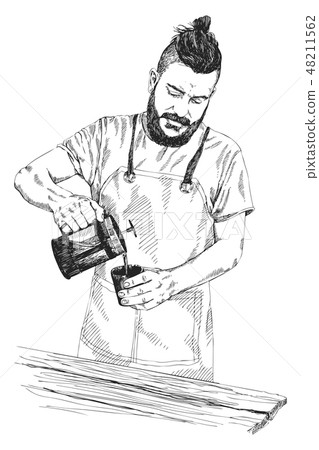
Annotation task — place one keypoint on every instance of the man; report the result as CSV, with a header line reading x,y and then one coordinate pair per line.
x,y
182,184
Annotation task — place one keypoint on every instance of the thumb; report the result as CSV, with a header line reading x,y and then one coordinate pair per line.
x,y
99,211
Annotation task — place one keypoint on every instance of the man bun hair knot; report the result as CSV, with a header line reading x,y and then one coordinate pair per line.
x,y
202,24
195,47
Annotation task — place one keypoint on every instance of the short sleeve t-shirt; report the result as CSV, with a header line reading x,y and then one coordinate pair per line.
x,y
99,149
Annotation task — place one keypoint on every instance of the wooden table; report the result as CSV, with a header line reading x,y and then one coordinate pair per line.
x,y
83,385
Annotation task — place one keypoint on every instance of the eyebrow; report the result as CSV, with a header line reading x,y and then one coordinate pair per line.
x,y
200,96
183,92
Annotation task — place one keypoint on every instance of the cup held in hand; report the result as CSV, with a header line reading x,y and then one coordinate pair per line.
x,y
119,276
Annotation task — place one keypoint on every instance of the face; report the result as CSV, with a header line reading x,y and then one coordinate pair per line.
x,y
178,103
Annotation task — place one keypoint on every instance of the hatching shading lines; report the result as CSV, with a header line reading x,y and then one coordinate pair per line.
x,y
106,357
241,185
91,330
139,138
201,231
140,163
178,161
153,338
166,164
209,326
123,129
166,192
140,210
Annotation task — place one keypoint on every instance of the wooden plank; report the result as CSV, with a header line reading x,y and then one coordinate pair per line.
x,y
95,386
140,403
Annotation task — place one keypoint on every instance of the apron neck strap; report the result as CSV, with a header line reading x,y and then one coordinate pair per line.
x,y
187,184
129,175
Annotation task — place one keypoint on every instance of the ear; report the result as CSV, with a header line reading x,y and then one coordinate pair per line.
x,y
213,92
153,79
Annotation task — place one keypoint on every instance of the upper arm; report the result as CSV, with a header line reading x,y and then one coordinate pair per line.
x,y
232,229
76,155
232,196
56,163
83,150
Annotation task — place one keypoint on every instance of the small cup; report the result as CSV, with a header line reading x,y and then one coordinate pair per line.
x,y
119,277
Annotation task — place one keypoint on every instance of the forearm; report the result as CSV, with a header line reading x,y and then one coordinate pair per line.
x,y
38,184
38,181
38,188
213,262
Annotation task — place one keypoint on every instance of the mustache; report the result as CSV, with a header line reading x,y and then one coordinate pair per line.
x,y
182,120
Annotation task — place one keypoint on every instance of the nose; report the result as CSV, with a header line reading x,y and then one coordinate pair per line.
x,y
181,108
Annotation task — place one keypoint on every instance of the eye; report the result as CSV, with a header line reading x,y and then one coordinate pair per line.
x,y
197,100
175,94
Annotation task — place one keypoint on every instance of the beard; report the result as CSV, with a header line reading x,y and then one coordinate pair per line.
x,y
156,132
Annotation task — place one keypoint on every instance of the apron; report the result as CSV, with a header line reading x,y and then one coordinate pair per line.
x,y
172,221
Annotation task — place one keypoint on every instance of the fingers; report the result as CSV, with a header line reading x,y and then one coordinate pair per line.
x,y
145,291
80,219
77,213
140,289
150,305
141,294
142,278
67,224
66,229
136,299
87,210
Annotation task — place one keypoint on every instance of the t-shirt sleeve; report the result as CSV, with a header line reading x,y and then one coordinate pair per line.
x,y
233,194
83,149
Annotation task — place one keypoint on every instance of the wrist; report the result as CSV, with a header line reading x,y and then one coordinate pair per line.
x,y
57,198
182,278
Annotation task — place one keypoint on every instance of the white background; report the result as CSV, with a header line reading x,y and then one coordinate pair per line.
x,y
64,64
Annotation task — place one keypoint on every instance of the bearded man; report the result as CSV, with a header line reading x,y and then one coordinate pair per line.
x,y
182,184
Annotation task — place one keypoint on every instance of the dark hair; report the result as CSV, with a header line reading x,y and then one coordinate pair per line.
x,y
195,46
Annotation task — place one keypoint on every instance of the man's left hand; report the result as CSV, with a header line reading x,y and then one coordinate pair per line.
x,y
148,289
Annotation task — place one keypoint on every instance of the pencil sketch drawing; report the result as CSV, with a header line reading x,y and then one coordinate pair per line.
x,y
166,191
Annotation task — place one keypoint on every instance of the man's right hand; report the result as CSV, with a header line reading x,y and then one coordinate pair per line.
x,y
76,212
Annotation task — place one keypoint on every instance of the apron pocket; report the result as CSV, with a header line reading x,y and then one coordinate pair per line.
x,y
168,334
